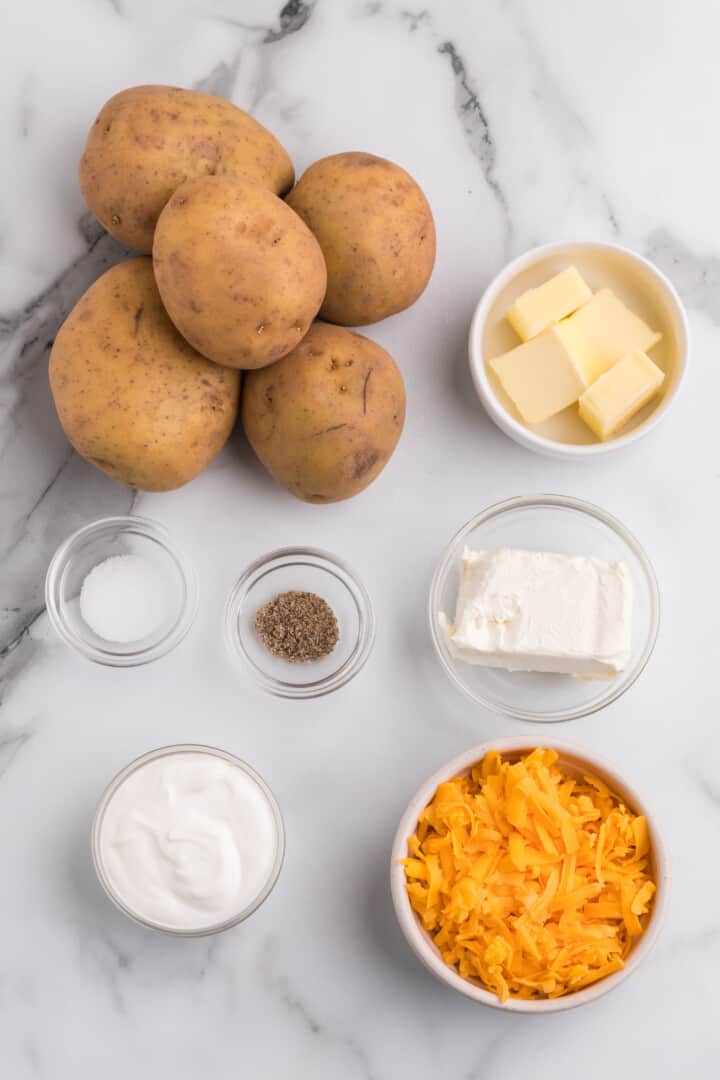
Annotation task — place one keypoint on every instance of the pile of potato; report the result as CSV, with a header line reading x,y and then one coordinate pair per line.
x,y
146,372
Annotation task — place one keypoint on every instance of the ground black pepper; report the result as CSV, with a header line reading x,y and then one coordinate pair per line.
x,y
297,626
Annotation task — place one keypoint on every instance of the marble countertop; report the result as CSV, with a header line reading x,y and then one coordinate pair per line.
x,y
524,122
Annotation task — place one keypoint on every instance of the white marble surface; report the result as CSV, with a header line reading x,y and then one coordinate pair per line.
x,y
525,122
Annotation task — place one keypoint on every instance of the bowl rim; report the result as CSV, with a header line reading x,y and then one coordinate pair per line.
x,y
167,751
149,529
485,391
616,687
329,564
418,939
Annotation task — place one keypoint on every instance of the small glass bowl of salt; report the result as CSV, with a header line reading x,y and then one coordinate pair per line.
x,y
121,592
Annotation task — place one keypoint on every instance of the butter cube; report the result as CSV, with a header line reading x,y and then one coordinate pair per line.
x,y
537,309
601,332
541,376
620,393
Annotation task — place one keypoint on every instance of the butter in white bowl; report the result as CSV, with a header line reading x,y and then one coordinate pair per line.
x,y
542,612
552,371
529,352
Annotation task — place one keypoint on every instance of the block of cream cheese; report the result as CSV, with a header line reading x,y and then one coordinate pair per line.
x,y
621,392
537,309
601,332
542,376
538,611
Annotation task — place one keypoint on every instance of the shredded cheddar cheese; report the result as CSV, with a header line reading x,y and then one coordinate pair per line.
x,y
530,880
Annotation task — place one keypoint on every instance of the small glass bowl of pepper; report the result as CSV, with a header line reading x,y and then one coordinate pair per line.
x,y
300,621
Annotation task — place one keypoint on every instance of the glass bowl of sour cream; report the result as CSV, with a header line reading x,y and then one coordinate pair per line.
x,y
585,637
188,839
121,592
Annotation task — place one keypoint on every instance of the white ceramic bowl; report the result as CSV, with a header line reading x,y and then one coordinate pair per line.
x,y
420,941
637,282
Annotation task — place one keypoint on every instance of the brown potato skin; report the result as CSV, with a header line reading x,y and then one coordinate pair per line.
x,y
376,231
325,419
133,397
149,139
241,276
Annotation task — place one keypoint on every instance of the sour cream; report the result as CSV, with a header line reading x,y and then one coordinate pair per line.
x,y
187,839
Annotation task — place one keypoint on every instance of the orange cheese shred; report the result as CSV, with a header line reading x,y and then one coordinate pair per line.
x,y
532,881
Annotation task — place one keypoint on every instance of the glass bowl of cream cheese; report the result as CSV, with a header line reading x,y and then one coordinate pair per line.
x,y
544,608
188,839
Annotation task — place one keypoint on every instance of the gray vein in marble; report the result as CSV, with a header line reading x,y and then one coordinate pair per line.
x,y
93,234
696,277
42,503
12,646
32,1055
10,747
612,216
222,78
707,786
280,987
701,939
470,112
293,17
113,963
12,661
413,19
55,476
567,122
492,1050
569,126
26,112
476,125
213,944
556,106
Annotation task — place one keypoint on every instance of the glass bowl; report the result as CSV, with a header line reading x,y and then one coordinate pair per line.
x,y
92,545
306,570
569,526
138,763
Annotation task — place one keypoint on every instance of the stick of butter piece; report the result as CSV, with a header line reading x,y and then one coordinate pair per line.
x,y
601,332
537,309
542,376
620,393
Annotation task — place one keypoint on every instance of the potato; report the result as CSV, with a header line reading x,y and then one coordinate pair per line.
x,y
149,139
376,231
133,397
326,418
241,276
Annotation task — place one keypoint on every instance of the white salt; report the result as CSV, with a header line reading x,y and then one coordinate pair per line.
x,y
125,598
